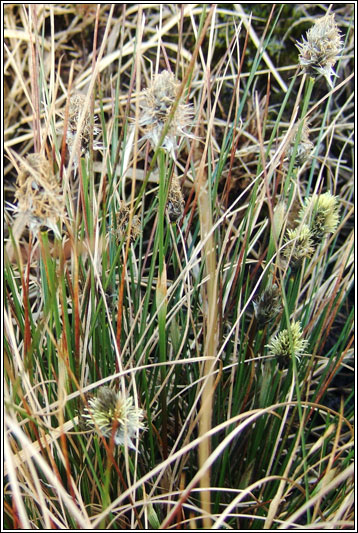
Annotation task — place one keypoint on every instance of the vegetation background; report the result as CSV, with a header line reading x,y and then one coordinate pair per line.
x,y
236,438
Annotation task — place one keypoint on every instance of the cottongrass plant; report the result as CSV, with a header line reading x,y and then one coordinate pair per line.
x,y
111,412
304,149
175,201
298,245
287,344
122,223
76,106
157,111
40,201
318,217
321,49
321,212
268,305
239,434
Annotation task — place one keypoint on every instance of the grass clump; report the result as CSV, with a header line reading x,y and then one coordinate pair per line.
x,y
178,314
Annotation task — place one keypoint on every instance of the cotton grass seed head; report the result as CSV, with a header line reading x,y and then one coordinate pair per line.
x,y
299,245
268,305
304,147
320,51
321,213
113,411
156,105
175,205
285,346
76,106
122,220
39,196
